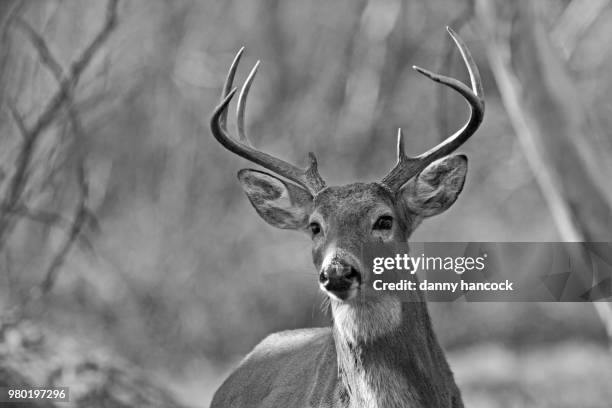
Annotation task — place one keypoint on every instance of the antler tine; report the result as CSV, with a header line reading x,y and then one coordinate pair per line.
x,y
408,167
227,86
308,178
401,153
241,108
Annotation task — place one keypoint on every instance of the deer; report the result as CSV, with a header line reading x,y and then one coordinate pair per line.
x,y
380,351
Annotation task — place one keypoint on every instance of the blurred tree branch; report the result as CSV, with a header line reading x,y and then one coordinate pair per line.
x,y
564,145
12,203
562,141
78,221
8,11
576,19
43,50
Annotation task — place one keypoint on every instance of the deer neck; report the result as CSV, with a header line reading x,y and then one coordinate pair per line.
x,y
388,355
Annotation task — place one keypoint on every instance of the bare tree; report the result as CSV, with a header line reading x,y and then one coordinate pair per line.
x,y
569,154
14,206
25,346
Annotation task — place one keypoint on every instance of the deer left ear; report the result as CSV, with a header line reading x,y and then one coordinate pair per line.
x,y
437,187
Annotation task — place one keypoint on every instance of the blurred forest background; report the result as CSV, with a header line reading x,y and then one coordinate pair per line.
x,y
125,239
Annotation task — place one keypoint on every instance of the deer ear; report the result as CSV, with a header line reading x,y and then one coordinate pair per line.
x,y
437,187
280,204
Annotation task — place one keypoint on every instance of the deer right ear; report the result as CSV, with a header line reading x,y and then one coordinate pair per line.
x,y
280,204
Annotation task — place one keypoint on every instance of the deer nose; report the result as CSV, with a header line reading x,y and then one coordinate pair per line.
x,y
338,275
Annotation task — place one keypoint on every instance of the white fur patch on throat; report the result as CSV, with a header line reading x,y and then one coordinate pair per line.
x,y
364,322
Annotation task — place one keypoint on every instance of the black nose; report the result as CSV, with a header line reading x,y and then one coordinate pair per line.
x,y
339,276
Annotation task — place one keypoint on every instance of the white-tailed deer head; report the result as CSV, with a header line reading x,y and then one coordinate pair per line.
x,y
342,219
380,352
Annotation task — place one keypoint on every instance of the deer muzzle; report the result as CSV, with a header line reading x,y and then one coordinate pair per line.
x,y
340,279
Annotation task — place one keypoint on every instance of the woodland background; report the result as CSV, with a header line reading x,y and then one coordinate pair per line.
x,y
129,254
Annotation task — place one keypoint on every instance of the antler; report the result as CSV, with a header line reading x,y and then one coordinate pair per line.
x,y
308,178
408,167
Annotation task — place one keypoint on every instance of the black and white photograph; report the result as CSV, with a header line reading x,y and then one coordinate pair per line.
x,y
306,204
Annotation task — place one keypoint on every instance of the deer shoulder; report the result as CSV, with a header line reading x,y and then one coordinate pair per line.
x,y
287,368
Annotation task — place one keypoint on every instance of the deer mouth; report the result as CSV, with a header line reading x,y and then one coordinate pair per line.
x,y
341,286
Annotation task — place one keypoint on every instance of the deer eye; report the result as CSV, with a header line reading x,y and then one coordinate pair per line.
x,y
315,228
384,222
